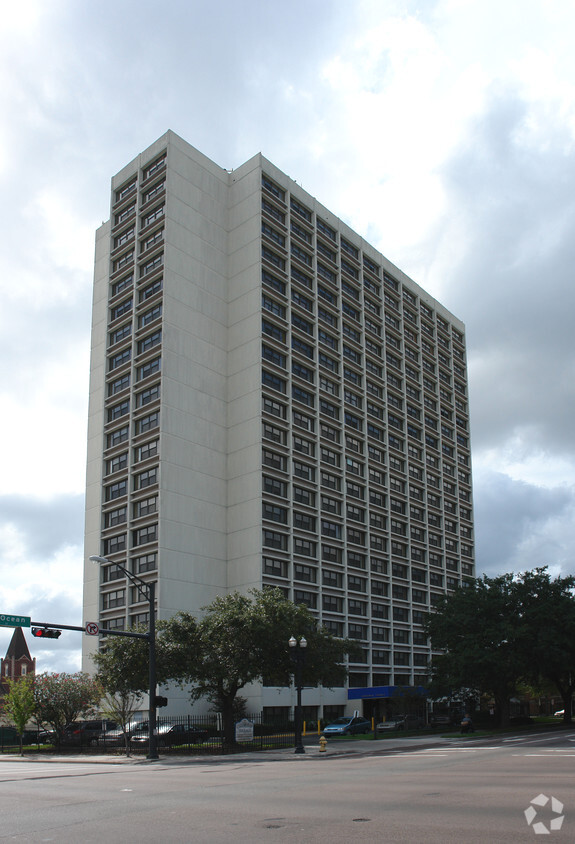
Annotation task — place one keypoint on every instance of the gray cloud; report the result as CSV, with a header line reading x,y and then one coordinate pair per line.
x,y
511,202
46,526
520,526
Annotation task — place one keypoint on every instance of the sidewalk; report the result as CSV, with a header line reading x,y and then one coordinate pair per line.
x,y
335,748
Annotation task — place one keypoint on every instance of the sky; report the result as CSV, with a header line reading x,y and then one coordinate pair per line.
x,y
443,131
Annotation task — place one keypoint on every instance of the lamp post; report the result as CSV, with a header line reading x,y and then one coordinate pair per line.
x,y
148,592
297,654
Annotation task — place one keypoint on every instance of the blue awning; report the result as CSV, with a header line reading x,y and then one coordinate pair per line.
x,y
385,691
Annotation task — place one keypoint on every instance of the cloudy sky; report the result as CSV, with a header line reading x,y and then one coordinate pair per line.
x,y
441,130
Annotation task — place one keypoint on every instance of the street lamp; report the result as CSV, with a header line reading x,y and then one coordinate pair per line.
x,y
148,592
297,654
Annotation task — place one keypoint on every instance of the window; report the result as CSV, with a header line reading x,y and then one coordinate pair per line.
x,y
118,385
277,568
302,470
153,215
115,544
273,486
126,189
151,315
113,599
303,496
156,165
119,410
148,396
304,547
123,308
274,513
154,191
272,187
117,463
151,265
273,460
120,435
147,478
332,578
145,506
273,407
150,341
273,381
147,562
300,209
149,368
146,423
274,539
143,535
113,518
144,452
331,603
152,240
151,289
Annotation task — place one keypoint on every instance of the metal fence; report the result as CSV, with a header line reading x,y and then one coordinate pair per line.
x,y
194,734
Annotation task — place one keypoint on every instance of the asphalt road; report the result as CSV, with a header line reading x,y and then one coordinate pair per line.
x,y
427,790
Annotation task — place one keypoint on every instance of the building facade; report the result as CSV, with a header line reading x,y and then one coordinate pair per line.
x,y
272,402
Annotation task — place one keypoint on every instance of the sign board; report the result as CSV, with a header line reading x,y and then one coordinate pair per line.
x,y
244,730
92,628
7,620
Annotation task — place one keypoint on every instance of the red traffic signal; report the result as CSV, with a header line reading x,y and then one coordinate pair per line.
x,y
46,632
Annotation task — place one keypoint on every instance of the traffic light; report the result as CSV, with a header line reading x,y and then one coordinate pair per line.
x,y
46,633
161,701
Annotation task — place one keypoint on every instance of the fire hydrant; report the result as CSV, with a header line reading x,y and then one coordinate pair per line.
x,y
322,744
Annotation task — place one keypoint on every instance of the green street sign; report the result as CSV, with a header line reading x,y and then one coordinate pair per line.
x,y
14,620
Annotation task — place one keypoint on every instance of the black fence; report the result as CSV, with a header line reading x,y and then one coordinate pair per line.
x,y
187,735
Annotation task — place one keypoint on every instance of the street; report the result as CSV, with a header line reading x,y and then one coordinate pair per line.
x,y
426,790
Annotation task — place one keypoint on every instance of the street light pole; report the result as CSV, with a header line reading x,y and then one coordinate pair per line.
x,y
148,592
297,653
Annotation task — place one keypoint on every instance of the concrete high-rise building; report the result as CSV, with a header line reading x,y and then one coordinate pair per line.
x,y
272,402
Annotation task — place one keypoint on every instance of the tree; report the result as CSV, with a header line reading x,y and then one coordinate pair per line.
x,y
481,643
61,699
546,609
498,633
123,673
123,665
244,638
121,708
19,703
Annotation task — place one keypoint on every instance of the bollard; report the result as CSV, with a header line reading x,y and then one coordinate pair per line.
x,y
322,744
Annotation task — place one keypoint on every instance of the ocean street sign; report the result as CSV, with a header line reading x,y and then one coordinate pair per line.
x,y
14,620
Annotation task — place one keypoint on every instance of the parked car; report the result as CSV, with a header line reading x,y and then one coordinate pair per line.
x,y
402,722
444,721
168,735
115,737
559,714
347,725
86,732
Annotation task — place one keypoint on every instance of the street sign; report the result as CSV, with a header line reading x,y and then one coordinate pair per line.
x,y
14,620
92,628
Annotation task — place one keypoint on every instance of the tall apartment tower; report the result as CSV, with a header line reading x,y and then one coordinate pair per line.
x,y
272,402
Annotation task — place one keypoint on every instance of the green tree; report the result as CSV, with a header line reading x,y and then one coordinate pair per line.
x,y
495,634
546,614
123,673
63,698
244,638
19,704
123,665
481,643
